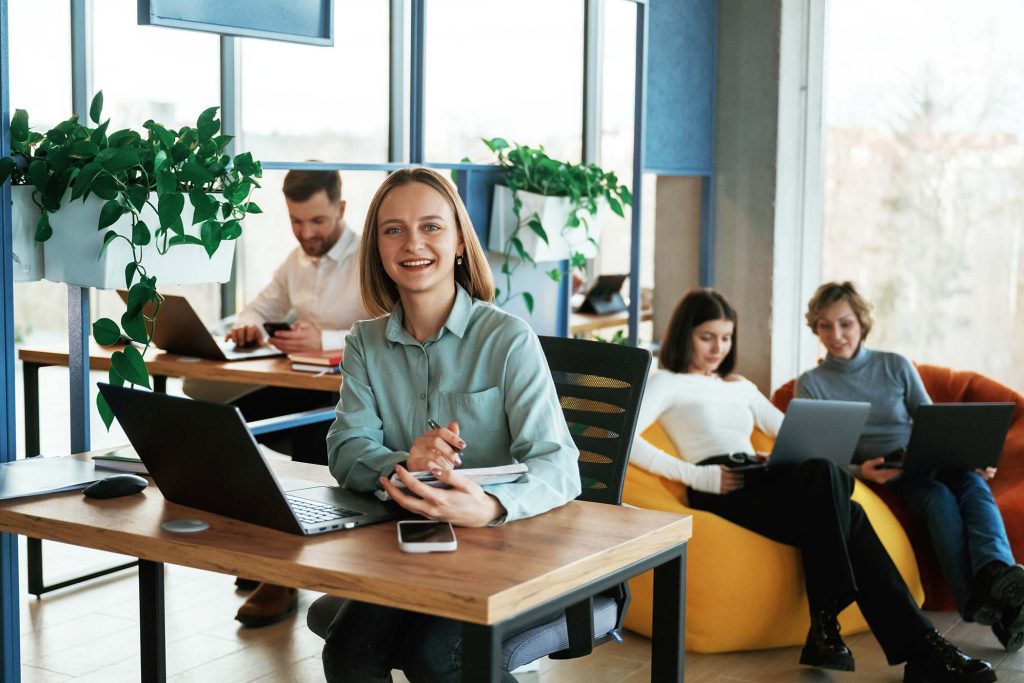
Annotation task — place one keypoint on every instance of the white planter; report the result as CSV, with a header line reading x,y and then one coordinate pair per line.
x,y
72,254
27,253
553,212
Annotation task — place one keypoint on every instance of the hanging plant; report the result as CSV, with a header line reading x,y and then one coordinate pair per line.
x,y
132,172
560,230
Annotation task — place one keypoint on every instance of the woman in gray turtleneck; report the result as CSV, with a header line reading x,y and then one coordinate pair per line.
x,y
963,521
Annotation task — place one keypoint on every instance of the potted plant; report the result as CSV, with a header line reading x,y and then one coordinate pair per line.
x,y
131,208
548,210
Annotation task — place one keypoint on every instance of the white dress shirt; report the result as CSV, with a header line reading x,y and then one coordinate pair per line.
x,y
322,290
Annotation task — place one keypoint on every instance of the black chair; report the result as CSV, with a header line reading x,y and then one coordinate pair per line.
x,y
599,388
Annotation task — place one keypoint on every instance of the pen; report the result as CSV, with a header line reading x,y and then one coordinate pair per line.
x,y
433,425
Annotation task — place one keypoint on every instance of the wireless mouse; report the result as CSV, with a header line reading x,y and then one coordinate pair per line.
x,y
115,486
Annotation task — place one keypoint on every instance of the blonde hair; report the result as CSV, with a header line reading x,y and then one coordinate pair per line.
x,y
377,290
832,293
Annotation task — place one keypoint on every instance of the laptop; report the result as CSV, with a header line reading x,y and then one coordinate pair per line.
x,y
957,436
203,455
817,429
180,331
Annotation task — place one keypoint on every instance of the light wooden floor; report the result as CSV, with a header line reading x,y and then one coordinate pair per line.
x,y
89,634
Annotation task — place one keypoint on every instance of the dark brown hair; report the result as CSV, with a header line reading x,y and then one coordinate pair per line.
x,y
696,308
832,293
299,186
378,290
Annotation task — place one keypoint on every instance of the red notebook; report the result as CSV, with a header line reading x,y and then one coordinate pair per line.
x,y
328,357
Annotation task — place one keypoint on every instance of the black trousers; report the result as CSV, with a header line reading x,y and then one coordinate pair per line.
x,y
304,444
809,507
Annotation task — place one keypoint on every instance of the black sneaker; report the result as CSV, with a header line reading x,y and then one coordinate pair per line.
x,y
936,660
1010,629
998,589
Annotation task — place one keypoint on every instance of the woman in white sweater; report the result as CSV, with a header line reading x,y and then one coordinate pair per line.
x,y
709,414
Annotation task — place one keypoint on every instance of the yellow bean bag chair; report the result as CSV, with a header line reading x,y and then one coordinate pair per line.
x,y
744,591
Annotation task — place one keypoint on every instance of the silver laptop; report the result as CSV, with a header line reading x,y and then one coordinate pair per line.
x,y
816,429
204,456
180,331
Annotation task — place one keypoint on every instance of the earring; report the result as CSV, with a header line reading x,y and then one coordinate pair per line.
x,y
458,260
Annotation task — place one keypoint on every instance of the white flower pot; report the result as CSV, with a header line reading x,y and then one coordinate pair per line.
x,y
72,254
27,253
553,212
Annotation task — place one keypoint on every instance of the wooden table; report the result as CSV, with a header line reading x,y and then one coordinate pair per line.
x,y
499,579
580,323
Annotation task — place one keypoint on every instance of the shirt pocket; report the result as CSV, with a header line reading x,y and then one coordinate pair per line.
x,y
482,423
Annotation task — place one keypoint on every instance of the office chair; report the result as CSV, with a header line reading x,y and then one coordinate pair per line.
x,y
599,388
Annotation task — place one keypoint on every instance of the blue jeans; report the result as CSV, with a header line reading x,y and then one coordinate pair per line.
x,y
365,642
963,523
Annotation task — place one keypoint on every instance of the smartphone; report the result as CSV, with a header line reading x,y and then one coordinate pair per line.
x,y
426,536
273,328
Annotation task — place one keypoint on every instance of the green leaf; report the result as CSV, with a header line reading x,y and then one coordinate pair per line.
x,y
169,208
209,233
43,229
537,228
96,108
139,295
105,186
122,158
109,214
204,205
104,409
520,250
19,125
129,273
208,125
496,144
140,234
159,160
251,207
245,165
555,274
129,364
231,230
106,332
137,196
236,194
84,179
615,206
84,148
528,300
578,260
109,237
194,173
185,239
166,183
6,167
162,135
99,136
37,173
135,327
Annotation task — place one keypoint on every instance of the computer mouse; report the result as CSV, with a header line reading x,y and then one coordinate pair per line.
x,y
116,486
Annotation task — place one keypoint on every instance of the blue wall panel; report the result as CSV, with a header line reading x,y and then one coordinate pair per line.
x,y
682,40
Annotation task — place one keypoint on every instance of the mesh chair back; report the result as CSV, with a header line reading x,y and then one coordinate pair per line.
x,y
599,386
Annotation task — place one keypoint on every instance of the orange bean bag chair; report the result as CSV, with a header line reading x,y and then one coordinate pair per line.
x,y
745,591
945,385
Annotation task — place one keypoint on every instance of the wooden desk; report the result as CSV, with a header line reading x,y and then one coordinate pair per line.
x,y
495,583
589,322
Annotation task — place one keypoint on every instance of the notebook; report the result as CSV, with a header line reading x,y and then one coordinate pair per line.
x,y
484,476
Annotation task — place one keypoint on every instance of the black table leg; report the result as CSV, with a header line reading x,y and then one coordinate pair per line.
x,y
669,620
160,384
30,392
481,654
151,621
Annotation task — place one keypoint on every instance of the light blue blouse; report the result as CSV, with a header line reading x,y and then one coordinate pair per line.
x,y
485,370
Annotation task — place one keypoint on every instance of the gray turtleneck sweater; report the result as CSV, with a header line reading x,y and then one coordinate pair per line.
x,y
888,381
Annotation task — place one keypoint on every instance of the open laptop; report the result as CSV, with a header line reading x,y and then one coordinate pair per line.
x,y
204,456
817,429
180,331
957,436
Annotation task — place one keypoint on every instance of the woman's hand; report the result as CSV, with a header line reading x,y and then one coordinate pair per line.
x,y
464,504
731,481
987,473
872,470
436,449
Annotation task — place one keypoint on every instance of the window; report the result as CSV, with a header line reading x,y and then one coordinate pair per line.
x,y
302,102
516,73
923,200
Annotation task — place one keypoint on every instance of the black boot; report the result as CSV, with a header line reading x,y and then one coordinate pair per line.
x,y
998,589
934,659
825,648
1010,629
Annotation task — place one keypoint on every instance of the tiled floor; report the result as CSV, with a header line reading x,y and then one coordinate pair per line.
x,y
89,634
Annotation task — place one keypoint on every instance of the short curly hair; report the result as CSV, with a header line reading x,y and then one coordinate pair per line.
x,y
832,293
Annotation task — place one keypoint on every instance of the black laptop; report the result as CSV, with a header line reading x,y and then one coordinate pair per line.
x,y
204,456
957,436
182,332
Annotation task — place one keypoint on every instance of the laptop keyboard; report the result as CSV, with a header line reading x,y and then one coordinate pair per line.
x,y
312,512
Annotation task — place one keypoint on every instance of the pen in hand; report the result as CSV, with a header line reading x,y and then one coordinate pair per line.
x,y
433,425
